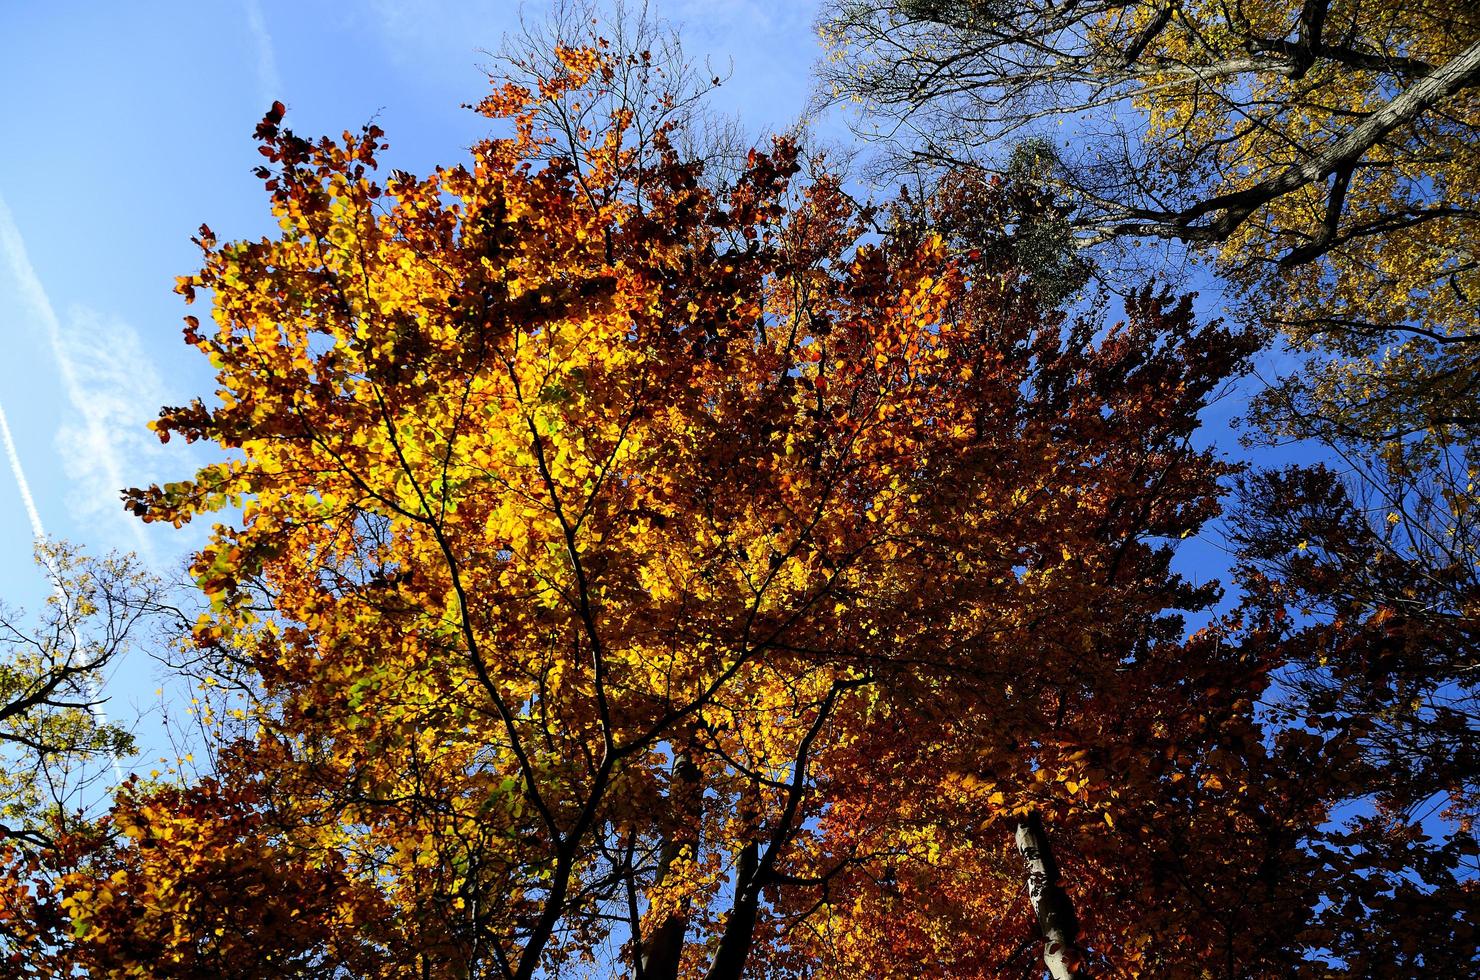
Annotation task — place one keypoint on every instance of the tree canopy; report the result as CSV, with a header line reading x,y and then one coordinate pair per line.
x,y
1324,150
688,584
54,737
627,560
1322,154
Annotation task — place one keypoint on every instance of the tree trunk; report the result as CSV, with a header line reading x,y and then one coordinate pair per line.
x,y
735,942
1055,912
662,951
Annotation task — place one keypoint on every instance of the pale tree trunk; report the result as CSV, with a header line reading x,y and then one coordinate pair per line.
x,y
1055,912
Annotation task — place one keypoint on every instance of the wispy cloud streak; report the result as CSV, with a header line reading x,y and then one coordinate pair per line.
x,y
37,529
269,82
94,437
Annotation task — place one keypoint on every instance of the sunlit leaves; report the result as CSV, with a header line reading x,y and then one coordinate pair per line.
x,y
632,568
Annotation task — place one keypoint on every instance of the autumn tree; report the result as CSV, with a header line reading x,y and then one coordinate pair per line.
x,y
1375,604
54,738
615,573
1324,151
57,748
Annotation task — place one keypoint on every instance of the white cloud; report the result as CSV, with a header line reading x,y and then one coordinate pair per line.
x,y
111,388
115,391
269,82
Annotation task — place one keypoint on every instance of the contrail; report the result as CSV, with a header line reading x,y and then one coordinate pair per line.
x,y
100,717
94,420
20,477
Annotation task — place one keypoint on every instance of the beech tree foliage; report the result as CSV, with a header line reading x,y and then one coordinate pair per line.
x,y
1376,605
620,575
1323,153
632,559
57,749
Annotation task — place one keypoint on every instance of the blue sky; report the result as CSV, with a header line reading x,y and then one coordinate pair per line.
x,y
127,125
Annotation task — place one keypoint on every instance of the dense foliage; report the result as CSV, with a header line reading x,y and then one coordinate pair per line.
x,y
628,561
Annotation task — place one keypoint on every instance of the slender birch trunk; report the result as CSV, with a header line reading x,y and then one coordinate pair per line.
x,y
1056,921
